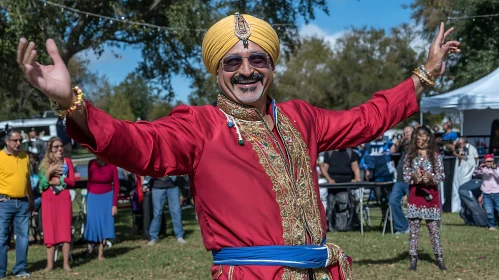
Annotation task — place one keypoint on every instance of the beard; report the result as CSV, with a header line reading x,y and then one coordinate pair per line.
x,y
248,95
245,94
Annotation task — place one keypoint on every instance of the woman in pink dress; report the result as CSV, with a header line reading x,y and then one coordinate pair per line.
x,y
102,204
423,171
56,175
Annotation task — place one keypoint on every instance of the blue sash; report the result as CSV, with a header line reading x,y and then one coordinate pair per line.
x,y
303,256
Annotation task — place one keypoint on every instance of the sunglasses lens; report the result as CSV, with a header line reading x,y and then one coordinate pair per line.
x,y
258,60
232,63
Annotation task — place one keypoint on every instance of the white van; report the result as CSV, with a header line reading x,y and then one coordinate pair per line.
x,y
48,125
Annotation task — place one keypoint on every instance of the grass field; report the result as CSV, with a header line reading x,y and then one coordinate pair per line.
x,y
470,253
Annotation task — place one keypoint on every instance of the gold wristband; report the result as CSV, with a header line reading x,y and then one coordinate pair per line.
x,y
425,79
63,112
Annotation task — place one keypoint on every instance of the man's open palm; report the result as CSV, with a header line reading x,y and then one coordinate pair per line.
x,y
53,80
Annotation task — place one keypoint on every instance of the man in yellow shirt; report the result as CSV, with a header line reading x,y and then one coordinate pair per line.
x,y
16,202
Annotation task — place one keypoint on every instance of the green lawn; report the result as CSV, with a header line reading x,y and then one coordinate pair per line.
x,y
470,252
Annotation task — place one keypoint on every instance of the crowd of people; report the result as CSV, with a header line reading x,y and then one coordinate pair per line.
x,y
247,146
32,182
417,178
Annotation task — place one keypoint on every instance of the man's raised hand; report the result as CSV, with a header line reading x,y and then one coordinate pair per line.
x,y
53,80
440,50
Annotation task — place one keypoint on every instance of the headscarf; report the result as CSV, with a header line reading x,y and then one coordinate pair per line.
x,y
227,32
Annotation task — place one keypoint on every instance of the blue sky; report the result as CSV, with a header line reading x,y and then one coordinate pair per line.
x,y
342,15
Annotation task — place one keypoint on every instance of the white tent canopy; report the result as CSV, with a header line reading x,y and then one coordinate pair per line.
x,y
477,104
479,95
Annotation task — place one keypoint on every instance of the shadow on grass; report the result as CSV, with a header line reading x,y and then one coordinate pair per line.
x,y
401,257
460,225
80,257
125,229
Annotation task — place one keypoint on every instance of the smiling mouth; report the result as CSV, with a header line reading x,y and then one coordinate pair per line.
x,y
247,82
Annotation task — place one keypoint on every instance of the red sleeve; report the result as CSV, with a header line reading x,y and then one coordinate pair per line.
x,y
170,145
344,129
116,180
70,179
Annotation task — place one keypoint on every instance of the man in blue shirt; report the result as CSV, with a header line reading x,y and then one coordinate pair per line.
x,y
449,135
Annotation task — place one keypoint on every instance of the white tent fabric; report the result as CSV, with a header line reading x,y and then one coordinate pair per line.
x,y
479,95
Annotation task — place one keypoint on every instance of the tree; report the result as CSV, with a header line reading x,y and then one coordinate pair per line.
x,y
307,75
160,109
480,46
121,109
362,62
102,96
205,89
164,52
138,92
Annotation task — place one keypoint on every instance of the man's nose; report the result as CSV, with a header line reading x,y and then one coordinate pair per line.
x,y
246,69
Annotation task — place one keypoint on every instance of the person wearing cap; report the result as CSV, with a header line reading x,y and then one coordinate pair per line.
x,y
247,154
490,188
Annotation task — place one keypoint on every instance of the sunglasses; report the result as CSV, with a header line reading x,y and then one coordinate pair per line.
x,y
489,161
58,147
231,63
17,140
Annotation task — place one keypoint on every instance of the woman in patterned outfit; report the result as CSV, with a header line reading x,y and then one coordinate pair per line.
x,y
423,171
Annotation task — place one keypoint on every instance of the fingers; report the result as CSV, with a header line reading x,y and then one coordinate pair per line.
x,y
440,36
447,33
53,51
453,44
27,53
20,50
31,57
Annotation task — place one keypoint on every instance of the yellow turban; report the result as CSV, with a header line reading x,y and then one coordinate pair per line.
x,y
220,38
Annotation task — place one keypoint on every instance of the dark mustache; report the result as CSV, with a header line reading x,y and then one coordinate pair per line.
x,y
253,77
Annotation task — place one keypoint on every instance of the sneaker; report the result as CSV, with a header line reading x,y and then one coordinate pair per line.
x,y
181,240
492,228
22,274
402,232
152,242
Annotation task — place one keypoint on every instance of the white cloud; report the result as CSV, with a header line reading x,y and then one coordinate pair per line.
x,y
419,44
312,30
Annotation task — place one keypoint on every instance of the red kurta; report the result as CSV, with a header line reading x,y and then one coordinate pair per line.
x,y
250,195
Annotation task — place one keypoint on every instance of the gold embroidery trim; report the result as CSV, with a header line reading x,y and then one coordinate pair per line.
x,y
237,110
336,255
220,271
231,272
294,188
295,193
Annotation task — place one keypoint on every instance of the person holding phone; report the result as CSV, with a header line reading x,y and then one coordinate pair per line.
x,y
56,176
423,171
490,188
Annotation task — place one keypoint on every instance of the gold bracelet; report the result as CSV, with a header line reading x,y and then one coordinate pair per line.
x,y
63,112
423,77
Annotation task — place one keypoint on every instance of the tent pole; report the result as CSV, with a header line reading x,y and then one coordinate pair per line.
x,y
421,117
461,121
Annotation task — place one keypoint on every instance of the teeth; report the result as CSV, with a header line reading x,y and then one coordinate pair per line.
x,y
247,82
